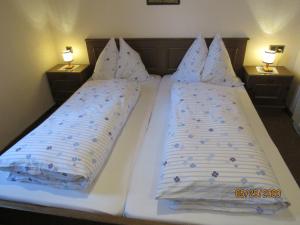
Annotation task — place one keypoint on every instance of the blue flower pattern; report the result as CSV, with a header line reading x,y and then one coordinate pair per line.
x,y
192,64
83,131
218,68
106,64
210,141
130,65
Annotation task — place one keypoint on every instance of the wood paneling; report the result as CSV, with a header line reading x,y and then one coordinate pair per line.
x,y
162,55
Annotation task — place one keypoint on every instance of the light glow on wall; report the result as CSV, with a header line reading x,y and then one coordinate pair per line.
x,y
35,11
62,15
273,15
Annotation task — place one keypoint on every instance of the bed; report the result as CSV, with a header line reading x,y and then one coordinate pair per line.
x,y
107,196
160,56
143,192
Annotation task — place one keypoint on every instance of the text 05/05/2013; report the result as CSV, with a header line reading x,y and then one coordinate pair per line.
x,y
257,193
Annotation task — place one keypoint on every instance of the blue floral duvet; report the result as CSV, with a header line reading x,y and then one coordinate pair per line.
x,y
211,157
71,147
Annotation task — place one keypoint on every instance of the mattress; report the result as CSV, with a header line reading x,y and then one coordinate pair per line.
x,y
141,202
108,194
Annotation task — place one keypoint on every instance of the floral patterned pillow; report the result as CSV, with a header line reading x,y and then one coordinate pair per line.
x,y
218,68
192,64
106,64
130,65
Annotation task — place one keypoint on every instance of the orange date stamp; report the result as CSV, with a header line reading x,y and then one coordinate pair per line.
x,y
257,193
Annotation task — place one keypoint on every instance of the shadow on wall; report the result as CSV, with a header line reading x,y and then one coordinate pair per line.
x,y
273,15
60,14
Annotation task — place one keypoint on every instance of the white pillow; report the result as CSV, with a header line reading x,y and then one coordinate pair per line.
x,y
130,65
218,68
106,64
192,64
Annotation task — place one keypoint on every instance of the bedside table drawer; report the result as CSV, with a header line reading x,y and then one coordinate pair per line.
x,y
268,80
268,94
269,90
61,96
64,76
65,85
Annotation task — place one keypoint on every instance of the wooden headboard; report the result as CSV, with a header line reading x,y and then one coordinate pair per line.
x,y
162,55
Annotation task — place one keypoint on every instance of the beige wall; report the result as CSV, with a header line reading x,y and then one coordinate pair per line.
x,y
265,22
34,32
26,51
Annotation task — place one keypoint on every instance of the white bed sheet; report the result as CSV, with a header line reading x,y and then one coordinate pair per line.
x,y
108,194
141,202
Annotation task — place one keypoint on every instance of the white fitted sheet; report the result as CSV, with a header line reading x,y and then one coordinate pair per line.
x,y
108,194
141,202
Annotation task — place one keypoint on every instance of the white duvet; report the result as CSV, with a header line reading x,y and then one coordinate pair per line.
x,y
211,158
71,147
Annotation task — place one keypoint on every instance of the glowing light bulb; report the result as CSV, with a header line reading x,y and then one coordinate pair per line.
x,y
68,56
269,56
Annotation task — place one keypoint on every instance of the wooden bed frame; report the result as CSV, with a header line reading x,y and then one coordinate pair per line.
x,y
161,56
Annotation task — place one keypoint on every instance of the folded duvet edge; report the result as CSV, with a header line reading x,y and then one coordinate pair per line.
x,y
229,206
29,171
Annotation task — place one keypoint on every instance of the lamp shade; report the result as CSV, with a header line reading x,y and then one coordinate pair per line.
x,y
269,56
68,56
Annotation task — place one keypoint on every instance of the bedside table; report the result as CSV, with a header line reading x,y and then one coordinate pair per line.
x,y
267,90
64,83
